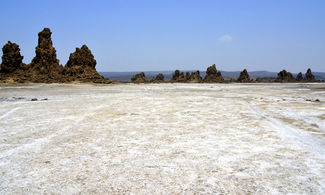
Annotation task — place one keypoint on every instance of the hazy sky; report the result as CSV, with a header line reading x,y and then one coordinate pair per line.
x,y
168,35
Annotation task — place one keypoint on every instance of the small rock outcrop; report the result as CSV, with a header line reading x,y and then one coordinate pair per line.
x,y
212,75
195,77
244,77
299,77
139,78
309,77
284,76
158,78
11,58
178,76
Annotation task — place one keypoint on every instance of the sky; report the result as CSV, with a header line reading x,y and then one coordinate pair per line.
x,y
173,34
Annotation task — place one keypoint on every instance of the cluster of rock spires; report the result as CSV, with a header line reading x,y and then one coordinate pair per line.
x,y
45,67
193,77
284,76
215,76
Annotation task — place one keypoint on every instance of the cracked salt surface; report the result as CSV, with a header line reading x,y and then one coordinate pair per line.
x,y
162,139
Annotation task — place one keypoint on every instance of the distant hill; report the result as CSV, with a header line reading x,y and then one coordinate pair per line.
x,y
126,76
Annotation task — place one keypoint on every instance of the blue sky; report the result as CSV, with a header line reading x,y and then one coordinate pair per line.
x,y
167,35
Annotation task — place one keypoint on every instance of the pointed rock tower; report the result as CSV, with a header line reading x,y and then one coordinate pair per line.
x,y
299,77
81,66
212,75
244,77
309,77
45,61
284,76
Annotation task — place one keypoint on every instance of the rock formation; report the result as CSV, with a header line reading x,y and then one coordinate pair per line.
x,y
178,76
309,77
11,58
244,77
187,76
139,78
212,75
284,76
45,61
195,77
45,67
299,77
81,66
158,78
82,57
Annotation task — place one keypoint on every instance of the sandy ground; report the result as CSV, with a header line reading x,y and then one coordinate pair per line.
x,y
162,139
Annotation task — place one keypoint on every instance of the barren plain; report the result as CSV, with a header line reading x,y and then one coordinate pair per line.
x,y
162,138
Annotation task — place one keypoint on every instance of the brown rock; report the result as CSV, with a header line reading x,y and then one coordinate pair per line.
x,y
81,67
82,57
158,78
244,77
178,77
195,77
45,61
212,75
139,78
11,58
187,76
309,77
299,77
284,76
45,67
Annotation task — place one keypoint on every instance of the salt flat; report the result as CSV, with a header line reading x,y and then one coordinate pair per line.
x,y
162,139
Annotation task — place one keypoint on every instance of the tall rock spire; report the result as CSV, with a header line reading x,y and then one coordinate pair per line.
x,y
45,59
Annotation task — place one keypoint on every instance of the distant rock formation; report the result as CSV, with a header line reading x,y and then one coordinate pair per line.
x,y
187,76
309,77
299,77
244,77
195,77
139,78
11,58
158,78
178,77
284,76
45,67
212,75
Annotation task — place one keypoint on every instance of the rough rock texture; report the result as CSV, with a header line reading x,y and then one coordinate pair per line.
x,y
11,59
45,61
81,66
195,77
299,77
212,75
284,76
309,76
244,77
139,78
158,78
178,76
45,67
82,57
